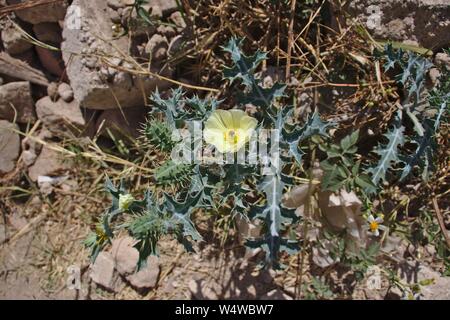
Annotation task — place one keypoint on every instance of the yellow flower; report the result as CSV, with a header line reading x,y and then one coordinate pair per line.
x,y
125,200
229,130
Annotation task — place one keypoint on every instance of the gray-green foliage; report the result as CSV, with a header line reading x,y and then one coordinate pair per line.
x,y
213,186
411,74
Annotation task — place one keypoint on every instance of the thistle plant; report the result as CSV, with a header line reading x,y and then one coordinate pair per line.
x,y
206,171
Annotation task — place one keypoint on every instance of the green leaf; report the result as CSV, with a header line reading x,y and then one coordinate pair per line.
x,y
143,14
348,143
244,67
172,173
262,97
388,153
313,126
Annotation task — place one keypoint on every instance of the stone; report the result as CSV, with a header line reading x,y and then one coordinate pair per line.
x,y
92,88
51,61
434,75
147,278
442,59
13,40
51,12
65,92
125,255
16,102
31,148
166,31
59,115
157,47
202,292
424,21
178,20
433,286
48,163
52,91
103,272
9,146
276,294
165,6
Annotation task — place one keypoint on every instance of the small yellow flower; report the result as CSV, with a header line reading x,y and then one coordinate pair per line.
x,y
125,200
229,130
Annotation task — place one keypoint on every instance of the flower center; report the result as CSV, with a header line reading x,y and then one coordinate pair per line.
x,y
373,226
231,136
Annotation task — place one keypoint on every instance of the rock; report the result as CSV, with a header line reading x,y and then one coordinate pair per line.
x,y
13,40
46,184
97,84
276,294
434,75
165,6
52,91
125,255
51,61
147,278
424,21
442,59
52,12
9,146
31,148
18,69
178,20
157,47
65,92
16,102
48,163
175,45
433,286
166,31
48,32
103,273
120,126
59,115
117,4
201,291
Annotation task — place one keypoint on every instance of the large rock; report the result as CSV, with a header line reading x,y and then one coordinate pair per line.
x,y
98,83
9,146
425,22
51,12
16,102
58,115
126,257
147,278
103,273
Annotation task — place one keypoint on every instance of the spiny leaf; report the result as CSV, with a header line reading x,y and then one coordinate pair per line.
x,y
159,135
170,106
389,153
172,173
262,97
314,126
244,67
